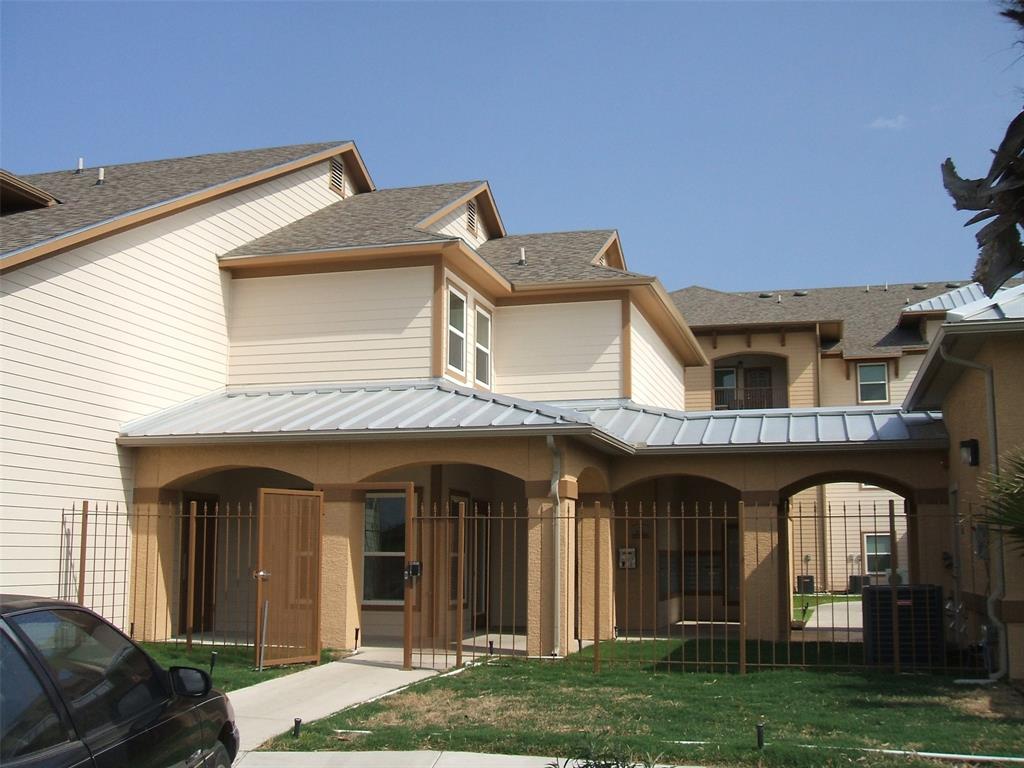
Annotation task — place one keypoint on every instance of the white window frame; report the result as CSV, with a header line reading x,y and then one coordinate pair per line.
x,y
885,381
877,534
452,290
477,346
362,598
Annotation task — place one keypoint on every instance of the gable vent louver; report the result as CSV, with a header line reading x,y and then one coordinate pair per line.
x,y
471,217
338,175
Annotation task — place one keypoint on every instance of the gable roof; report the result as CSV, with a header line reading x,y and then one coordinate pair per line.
x,y
870,315
383,217
553,257
135,187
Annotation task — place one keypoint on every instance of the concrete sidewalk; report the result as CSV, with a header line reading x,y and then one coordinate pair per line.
x,y
270,708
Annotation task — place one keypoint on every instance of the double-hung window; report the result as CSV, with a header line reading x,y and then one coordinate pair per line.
x,y
873,383
456,331
482,367
877,553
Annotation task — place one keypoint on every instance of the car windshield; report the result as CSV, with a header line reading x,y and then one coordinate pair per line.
x,y
104,677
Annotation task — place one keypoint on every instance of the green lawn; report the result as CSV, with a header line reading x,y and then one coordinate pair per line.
x,y
235,668
811,601
561,708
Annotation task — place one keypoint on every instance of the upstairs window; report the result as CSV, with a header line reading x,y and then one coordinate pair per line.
x,y
456,331
471,217
338,175
873,383
482,369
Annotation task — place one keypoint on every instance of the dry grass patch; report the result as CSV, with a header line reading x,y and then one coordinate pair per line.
x,y
1001,703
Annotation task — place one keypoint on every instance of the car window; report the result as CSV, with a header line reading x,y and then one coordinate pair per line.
x,y
104,678
28,721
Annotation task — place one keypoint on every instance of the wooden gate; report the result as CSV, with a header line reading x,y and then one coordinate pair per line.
x,y
288,577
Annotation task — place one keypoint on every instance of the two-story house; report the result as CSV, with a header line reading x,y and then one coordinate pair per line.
x,y
326,411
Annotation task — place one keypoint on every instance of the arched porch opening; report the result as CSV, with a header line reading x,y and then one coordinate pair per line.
x,y
469,539
843,532
676,547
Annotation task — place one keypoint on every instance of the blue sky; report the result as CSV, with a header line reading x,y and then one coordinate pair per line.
x,y
737,146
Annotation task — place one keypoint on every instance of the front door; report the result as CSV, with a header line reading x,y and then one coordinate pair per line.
x,y
288,577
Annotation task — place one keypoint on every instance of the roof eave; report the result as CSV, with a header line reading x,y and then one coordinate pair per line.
x,y
138,216
851,447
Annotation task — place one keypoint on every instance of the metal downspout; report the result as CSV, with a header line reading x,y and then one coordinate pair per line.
x,y
556,475
999,587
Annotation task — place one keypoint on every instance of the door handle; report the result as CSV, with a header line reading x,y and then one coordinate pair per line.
x,y
261,575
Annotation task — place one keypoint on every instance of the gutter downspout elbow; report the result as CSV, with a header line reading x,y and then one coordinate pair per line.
x,y
998,591
556,476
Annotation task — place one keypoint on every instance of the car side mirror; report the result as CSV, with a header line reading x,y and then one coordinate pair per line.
x,y
189,681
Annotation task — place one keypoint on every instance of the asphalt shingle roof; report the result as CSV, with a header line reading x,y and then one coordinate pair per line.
x,y
870,317
383,217
131,187
551,257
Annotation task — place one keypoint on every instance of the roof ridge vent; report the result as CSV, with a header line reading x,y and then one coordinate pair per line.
x,y
765,295
799,293
920,286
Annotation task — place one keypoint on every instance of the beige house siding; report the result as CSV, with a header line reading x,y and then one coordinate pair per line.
x,y
800,351
370,325
836,389
559,351
454,224
109,332
657,375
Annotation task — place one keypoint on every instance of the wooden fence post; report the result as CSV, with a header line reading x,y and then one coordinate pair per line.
x,y
82,552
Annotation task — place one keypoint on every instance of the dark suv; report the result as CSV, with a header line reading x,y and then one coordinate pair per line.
x,y
74,691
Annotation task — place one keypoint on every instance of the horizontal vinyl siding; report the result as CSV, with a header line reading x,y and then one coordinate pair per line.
x,y
559,351
337,327
657,375
454,224
836,389
107,333
852,512
800,351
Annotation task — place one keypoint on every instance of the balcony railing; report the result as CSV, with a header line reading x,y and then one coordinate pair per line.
x,y
736,399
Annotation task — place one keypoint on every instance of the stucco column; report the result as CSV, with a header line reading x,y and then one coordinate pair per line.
x,y
341,544
548,565
596,566
767,595
153,587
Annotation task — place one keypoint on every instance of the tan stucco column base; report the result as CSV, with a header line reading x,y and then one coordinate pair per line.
x,y
596,557
766,567
340,580
154,593
540,587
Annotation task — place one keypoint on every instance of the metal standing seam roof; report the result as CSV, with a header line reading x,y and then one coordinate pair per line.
x,y
439,408
944,302
1007,304
412,408
652,429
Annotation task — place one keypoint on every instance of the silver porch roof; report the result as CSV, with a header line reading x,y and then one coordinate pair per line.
x,y
436,408
365,410
657,430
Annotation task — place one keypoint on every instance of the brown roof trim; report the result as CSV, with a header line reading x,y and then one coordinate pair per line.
x,y
160,210
619,257
489,210
26,190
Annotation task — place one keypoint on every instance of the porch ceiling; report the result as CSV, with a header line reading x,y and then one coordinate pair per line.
x,y
438,408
